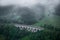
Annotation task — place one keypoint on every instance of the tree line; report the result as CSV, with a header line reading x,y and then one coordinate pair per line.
x,y
10,32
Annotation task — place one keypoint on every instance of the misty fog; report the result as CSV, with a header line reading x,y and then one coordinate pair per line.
x,y
29,19
14,9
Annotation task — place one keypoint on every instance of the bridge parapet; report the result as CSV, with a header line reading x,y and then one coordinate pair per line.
x,y
29,28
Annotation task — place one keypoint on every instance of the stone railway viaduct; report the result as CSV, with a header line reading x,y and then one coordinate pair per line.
x,y
29,27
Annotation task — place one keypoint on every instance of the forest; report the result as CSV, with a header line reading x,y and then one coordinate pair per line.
x,y
42,14
10,32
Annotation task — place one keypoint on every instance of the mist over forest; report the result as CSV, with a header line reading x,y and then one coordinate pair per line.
x,y
35,10
29,19
14,13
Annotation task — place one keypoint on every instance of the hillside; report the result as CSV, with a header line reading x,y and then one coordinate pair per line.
x,y
51,19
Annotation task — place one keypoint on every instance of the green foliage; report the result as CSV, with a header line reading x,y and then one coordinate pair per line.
x,y
51,32
43,35
28,17
2,37
10,32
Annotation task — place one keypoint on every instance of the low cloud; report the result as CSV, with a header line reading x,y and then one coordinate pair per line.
x,y
28,2
18,2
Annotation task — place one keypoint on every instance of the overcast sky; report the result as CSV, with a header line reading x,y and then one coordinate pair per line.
x,y
28,2
49,4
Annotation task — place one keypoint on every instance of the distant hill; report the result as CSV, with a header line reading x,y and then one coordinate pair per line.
x,y
50,20
14,13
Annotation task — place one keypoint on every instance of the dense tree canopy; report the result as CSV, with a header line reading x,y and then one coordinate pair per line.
x,y
10,32
28,17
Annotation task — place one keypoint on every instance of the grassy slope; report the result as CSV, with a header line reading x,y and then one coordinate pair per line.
x,y
52,19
